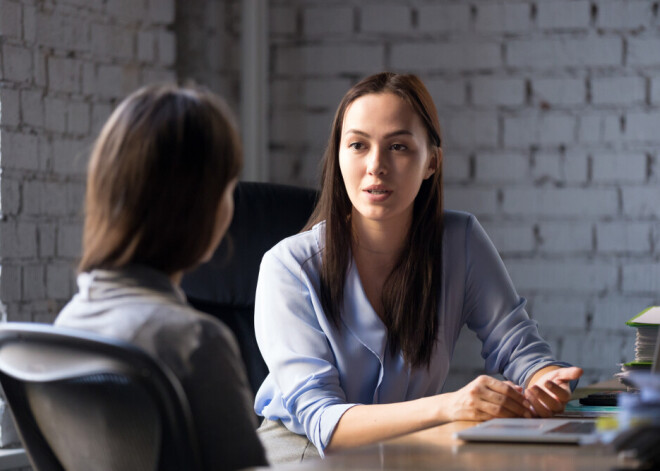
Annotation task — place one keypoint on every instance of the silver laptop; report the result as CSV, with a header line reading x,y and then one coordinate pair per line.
x,y
556,430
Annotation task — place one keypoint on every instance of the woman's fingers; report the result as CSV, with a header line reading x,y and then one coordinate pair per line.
x,y
500,399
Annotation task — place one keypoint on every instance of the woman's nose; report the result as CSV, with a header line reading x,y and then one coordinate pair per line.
x,y
377,162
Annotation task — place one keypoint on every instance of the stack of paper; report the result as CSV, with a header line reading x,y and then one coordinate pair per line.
x,y
647,324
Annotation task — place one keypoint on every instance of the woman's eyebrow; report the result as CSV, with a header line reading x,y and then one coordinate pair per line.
x,y
399,132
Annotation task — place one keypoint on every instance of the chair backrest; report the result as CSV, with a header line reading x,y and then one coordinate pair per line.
x,y
264,214
81,401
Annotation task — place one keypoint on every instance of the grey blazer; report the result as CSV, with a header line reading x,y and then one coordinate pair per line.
x,y
142,306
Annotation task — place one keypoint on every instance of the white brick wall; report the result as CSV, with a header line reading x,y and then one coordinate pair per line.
x,y
550,113
64,64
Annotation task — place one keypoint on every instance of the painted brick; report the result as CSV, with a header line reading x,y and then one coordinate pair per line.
x,y
56,114
9,107
623,237
161,11
58,278
566,52
32,107
547,166
455,167
385,18
510,237
324,93
40,69
34,283
643,51
624,15
146,46
10,280
17,63
445,18
565,202
642,126
282,20
29,23
19,239
64,74
470,129
564,238
299,128
563,14
159,75
47,233
166,48
602,127
112,41
127,10
576,167
78,118
330,59
561,275
596,350
501,167
69,157
611,313
564,313
20,151
10,196
618,91
521,131
503,18
498,91
447,92
10,19
655,90
464,56
109,81
100,113
322,20
474,200
641,202
560,91
62,32
69,240
619,167
641,278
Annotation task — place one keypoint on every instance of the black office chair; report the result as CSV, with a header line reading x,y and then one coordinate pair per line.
x,y
81,402
264,214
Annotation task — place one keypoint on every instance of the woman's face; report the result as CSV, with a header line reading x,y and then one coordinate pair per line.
x,y
222,219
384,156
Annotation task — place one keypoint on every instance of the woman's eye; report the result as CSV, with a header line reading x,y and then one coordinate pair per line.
x,y
398,147
356,145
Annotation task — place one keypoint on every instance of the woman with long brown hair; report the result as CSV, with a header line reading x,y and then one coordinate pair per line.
x,y
357,317
159,200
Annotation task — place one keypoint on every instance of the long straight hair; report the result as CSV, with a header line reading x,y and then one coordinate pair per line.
x,y
156,175
410,293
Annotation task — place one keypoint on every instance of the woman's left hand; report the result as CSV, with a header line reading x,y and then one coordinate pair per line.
x,y
549,390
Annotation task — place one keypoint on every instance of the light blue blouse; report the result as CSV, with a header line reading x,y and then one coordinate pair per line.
x,y
318,372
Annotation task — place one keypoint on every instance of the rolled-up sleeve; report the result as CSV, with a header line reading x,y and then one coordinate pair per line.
x,y
290,326
512,345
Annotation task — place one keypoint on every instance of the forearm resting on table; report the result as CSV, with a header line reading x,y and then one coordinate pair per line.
x,y
365,424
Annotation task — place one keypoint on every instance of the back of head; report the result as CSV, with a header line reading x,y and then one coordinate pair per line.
x,y
156,175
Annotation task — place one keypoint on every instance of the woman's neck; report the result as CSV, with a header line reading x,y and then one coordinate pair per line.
x,y
379,241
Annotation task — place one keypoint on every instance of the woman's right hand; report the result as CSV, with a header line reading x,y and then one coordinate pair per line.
x,y
486,398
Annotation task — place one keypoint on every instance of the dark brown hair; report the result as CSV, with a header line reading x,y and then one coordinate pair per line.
x,y
411,292
156,175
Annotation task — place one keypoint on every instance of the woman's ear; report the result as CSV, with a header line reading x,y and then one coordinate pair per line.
x,y
434,161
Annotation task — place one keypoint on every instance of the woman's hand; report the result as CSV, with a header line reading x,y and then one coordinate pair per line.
x,y
486,398
549,390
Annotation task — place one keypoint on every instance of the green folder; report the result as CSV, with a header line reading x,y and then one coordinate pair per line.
x,y
649,317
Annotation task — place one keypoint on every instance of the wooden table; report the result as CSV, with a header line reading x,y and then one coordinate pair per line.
x,y
436,448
